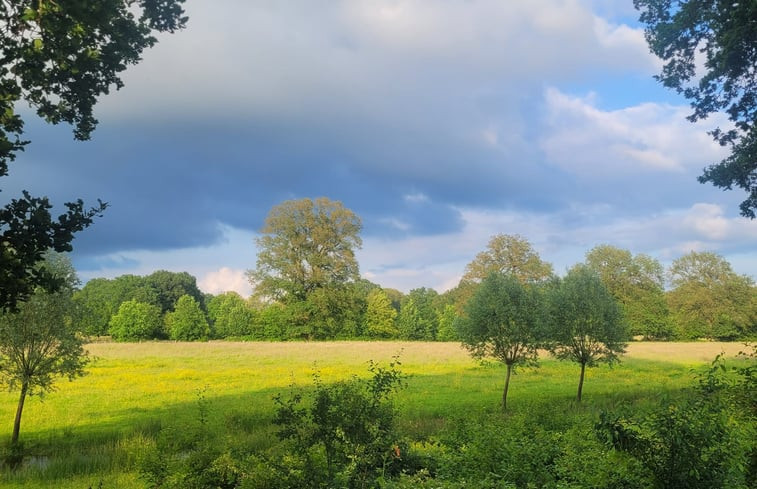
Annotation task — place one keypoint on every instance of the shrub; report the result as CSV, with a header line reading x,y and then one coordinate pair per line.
x,y
187,322
135,321
344,436
704,441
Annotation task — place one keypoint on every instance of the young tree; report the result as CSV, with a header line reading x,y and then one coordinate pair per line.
x,y
503,321
447,329
230,315
135,321
418,319
187,322
380,316
585,324
59,58
38,342
306,245
710,50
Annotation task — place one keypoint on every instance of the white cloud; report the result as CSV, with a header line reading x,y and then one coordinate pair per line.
x,y
225,279
377,57
588,141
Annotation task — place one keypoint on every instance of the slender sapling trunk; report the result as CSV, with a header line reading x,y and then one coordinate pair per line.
x,y
19,411
581,381
507,385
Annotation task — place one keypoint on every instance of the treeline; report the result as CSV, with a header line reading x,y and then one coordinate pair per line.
x,y
707,300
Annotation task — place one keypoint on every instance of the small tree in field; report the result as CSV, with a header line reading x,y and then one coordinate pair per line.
x,y
135,321
586,324
503,322
187,322
380,315
38,343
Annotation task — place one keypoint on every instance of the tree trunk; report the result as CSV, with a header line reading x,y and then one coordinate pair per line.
x,y
507,385
581,381
19,411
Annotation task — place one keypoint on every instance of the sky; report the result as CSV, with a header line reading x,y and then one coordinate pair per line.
x,y
440,123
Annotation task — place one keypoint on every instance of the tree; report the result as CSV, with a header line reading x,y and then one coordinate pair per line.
x,y
380,316
135,321
585,323
230,315
508,254
306,245
503,321
725,32
38,342
418,319
447,319
170,286
709,299
27,231
636,282
59,57
187,322
100,299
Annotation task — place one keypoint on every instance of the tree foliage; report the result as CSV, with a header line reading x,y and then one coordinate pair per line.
x,y
59,57
170,286
586,325
100,299
508,254
187,322
710,52
418,318
27,232
504,321
637,283
135,321
447,324
709,300
38,342
380,316
230,315
306,245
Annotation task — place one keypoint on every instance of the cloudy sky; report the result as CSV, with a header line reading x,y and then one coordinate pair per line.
x,y
439,122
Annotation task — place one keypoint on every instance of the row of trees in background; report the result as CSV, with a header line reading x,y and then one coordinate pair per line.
x,y
307,285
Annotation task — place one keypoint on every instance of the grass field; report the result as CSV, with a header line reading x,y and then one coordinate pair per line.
x,y
91,430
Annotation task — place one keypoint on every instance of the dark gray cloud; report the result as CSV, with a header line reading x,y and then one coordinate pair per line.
x,y
438,124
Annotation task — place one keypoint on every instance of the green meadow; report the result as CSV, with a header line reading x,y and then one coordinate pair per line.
x,y
91,432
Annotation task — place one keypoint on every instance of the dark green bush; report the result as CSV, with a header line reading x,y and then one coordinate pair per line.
x,y
705,440
342,434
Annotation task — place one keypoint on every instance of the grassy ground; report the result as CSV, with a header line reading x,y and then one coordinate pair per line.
x,y
93,429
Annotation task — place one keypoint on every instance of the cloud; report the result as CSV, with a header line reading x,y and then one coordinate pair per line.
x,y
439,123
646,138
315,59
223,280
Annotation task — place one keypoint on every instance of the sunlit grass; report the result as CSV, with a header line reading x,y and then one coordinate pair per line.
x,y
94,428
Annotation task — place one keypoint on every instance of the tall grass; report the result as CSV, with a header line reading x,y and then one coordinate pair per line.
x,y
93,430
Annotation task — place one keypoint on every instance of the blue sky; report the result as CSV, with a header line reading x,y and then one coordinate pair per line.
x,y
440,123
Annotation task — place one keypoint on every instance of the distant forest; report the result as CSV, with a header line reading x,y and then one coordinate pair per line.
x,y
698,297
